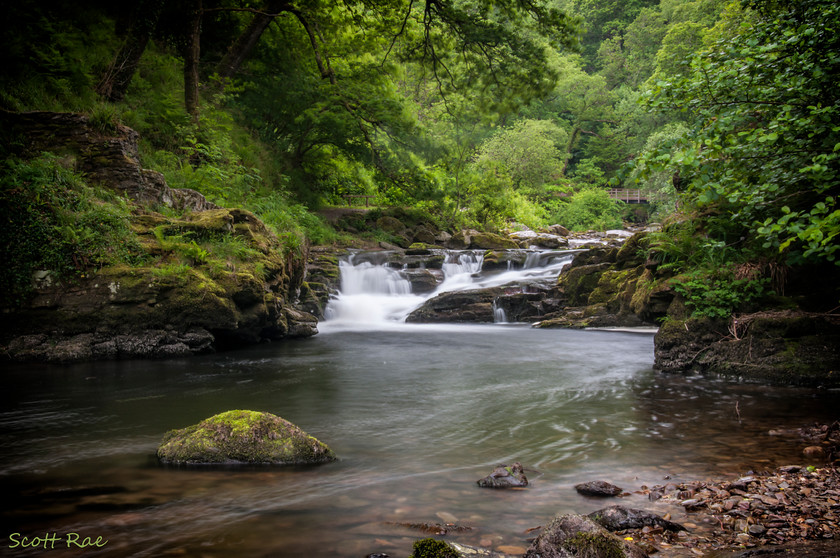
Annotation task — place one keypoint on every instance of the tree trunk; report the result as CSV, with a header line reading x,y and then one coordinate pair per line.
x,y
569,147
114,82
192,53
241,48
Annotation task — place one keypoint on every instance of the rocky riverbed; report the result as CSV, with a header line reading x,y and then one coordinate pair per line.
x,y
793,510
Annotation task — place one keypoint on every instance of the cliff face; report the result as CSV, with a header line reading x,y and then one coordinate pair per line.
x,y
160,308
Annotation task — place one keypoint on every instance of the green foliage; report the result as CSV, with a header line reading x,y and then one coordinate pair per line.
x,y
181,245
52,53
53,222
590,208
763,104
718,293
432,548
530,152
291,221
656,180
715,278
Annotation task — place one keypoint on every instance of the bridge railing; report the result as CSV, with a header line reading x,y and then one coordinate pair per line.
x,y
627,196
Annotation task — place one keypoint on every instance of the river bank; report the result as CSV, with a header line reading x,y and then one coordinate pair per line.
x,y
791,510
790,507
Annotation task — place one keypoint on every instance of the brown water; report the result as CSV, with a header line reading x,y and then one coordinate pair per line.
x,y
416,414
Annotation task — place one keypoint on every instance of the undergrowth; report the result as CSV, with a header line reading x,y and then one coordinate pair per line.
x,y
54,222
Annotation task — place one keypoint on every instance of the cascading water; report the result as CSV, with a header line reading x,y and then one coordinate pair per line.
x,y
499,314
378,294
371,294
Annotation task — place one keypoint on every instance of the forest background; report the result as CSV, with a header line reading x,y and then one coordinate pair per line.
x,y
474,113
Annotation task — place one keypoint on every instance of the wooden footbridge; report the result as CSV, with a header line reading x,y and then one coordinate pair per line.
x,y
618,194
628,196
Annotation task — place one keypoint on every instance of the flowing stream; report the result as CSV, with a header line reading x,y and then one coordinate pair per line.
x,y
375,295
416,413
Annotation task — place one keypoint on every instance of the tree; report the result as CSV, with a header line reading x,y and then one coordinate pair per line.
x,y
584,105
342,76
114,81
530,151
763,153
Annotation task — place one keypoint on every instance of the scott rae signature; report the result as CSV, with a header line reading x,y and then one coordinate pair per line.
x,y
52,541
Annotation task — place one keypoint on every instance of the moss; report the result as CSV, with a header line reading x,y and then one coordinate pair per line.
x,y
594,545
490,241
579,282
631,252
610,283
242,436
432,548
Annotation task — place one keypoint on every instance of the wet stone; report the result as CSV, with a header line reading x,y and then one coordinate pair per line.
x,y
598,488
505,477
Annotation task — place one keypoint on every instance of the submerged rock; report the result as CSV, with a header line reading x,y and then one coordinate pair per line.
x,y
242,437
619,518
505,477
571,536
598,488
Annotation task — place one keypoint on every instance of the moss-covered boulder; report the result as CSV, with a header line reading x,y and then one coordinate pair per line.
x,y
491,241
242,437
576,536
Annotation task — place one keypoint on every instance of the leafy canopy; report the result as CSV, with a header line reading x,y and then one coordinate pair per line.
x,y
763,105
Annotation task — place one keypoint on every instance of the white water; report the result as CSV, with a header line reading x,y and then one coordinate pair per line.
x,y
377,296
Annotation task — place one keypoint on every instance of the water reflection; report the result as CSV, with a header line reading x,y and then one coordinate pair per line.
x,y
416,413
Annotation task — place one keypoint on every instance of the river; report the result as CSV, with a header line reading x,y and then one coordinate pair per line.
x,y
416,413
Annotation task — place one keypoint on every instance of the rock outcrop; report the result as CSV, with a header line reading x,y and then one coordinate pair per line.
x,y
242,437
178,298
165,311
609,287
782,347
106,153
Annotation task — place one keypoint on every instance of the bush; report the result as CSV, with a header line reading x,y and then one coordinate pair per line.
x,y
590,208
52,221
718,293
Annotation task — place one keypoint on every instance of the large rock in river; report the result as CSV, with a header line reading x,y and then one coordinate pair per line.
x,y
576,536
241,437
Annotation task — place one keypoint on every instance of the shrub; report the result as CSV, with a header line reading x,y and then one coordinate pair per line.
x,y
52,221
590,208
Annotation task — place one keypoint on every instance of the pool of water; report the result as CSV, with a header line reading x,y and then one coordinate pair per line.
x,y
416,414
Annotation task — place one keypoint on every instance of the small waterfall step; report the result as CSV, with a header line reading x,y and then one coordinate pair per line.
x,y
379,288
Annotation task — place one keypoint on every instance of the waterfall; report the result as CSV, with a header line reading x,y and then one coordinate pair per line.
x,y
377,294
371,294
499,315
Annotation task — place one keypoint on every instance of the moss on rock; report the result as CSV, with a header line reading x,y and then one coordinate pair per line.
x,y
491,241
242,437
